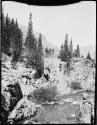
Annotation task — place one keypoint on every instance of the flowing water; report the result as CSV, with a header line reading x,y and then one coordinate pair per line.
x,y
64,112
57,113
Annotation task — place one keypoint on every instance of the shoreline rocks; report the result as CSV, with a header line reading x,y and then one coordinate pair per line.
x,y
23,109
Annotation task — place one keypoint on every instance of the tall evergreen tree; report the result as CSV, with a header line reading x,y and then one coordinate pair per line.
x,y
52,51
71,49
30,36
62,47
78,51
88,56
66,44
40,43
3,31
30,44
6,35
16,41
18,44
61,55
12,39
66,50
40,60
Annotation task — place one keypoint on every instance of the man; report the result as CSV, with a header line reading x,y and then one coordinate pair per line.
x,y
46,73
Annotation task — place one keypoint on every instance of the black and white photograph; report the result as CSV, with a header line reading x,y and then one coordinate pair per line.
x,y
48,63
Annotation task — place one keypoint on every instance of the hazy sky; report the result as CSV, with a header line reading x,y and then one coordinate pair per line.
x,y
78,20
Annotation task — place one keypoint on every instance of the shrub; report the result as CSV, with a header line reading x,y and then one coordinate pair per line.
x,y
43,95
75,85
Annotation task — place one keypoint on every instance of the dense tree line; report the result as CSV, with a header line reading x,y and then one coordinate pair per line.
x,y
49,52
11,37
12,41
34,50
66,51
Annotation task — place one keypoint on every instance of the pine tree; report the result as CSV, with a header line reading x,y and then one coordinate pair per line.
x,y
66,44
75,53
61,52
12,40
52,51
47,52
39,57
78,51
66,50
70,49
40,49
3,30
6,35
88,56
40,43
29,43
62,47
16,41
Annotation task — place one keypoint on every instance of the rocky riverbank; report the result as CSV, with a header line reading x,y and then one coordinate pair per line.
x,y
19,83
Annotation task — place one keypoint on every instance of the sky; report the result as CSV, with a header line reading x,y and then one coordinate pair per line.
x,y
78,20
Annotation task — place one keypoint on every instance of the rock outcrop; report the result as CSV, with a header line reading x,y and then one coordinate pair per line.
x,y
15,85
23,109
86,111
18,84
10,95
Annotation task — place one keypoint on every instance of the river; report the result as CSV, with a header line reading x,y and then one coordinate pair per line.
x,y
58,113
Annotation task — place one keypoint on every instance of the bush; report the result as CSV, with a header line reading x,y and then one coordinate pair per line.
x,y
43,95
75,85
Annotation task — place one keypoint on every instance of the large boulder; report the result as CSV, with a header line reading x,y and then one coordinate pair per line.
x,y
86,113
10,95
23,109
16,94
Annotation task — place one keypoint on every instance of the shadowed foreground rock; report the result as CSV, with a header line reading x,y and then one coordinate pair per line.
x,y
23,109
10,95
18,84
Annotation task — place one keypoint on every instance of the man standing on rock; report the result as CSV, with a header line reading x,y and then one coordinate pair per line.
x,y
47,73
